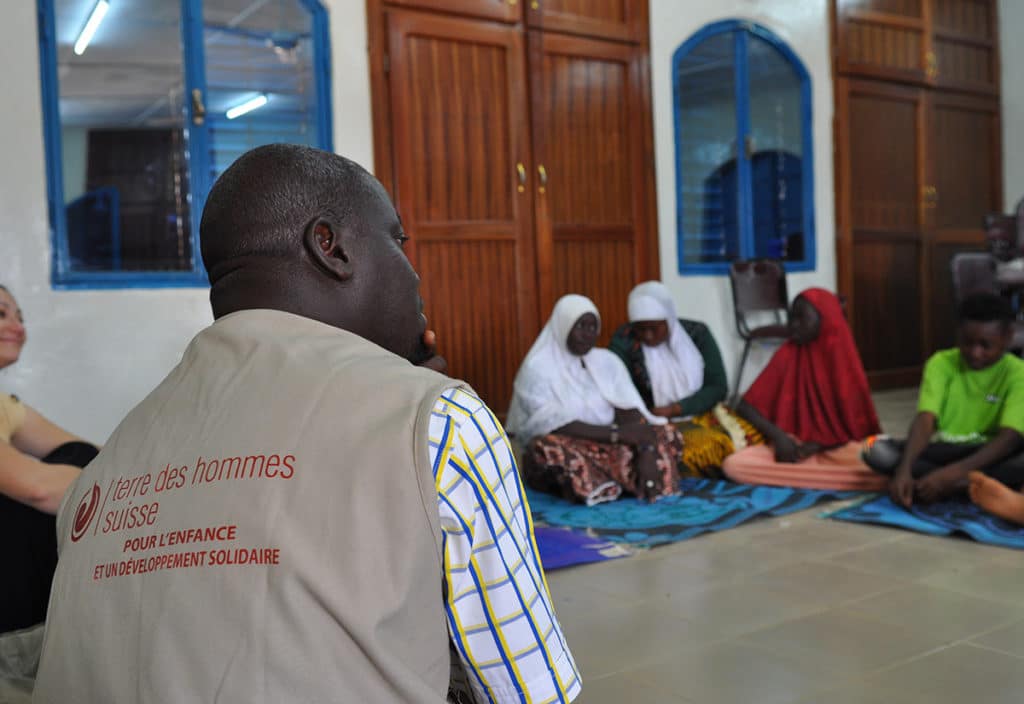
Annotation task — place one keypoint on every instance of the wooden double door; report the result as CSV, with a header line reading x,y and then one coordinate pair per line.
x,y
520,161
919,165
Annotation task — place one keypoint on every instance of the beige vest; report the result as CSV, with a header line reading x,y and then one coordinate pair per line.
x,y
262,528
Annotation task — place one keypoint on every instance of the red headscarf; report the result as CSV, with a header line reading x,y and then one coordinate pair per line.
x,y
818,391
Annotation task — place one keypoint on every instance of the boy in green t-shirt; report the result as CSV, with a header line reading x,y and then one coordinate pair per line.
x,y
970,413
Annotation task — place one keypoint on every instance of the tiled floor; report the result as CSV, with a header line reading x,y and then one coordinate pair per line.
x,y
800,610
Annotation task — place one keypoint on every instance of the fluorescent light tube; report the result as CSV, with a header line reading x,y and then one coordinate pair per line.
x,y
246,107
93,23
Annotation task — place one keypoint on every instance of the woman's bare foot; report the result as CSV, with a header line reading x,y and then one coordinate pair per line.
x,y
996,498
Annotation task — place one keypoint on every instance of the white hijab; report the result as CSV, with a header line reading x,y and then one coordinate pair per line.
x,y
555,387
676,368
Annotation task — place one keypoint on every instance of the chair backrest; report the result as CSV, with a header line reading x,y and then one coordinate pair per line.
x,y
1002,236
973,272
758,285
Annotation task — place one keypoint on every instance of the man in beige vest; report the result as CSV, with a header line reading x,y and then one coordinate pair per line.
x,y
297,513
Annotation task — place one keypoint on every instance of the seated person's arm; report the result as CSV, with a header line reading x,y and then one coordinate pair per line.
x,y
716,385
39,437
31,482
901,487
786,449
937,484
632,430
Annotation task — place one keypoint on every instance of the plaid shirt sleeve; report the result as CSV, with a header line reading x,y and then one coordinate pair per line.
x,y
499,611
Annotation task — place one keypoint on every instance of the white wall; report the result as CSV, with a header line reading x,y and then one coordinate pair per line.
x,y
1011,21
92,355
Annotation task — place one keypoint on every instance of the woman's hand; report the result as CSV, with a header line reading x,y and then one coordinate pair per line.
x,y
637,434
648,476
786,449
672,410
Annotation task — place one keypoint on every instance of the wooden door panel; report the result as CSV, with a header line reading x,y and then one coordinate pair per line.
x,y
965,44
610,19
457,89
474,281
964,153
589,113
885,158
882,38
501,10
887,282
881,171
601,270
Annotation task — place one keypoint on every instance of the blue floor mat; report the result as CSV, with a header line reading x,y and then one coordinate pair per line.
x,y
560,547
704,506
946,518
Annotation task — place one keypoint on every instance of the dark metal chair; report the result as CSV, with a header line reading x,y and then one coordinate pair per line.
x,y
975,272
758,288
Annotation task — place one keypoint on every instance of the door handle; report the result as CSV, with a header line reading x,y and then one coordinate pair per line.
x,y
521,170
543,174
198,109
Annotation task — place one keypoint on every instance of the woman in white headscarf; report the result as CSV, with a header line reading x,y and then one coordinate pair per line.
x,y
678,371
587,433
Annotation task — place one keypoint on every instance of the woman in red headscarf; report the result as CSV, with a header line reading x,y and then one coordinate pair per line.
x,y
813,405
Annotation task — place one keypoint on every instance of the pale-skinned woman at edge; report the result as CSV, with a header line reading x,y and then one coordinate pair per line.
x,y
38,462
586,432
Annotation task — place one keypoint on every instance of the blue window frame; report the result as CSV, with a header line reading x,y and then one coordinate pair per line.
x,y
138,124
744,157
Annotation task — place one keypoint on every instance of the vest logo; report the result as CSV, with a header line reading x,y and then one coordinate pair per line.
x,y
993,399
85,513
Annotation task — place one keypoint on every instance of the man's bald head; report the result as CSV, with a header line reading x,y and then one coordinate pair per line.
x,y
261,204
311,233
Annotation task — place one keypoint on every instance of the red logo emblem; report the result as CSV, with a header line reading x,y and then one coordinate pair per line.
x,y
84,515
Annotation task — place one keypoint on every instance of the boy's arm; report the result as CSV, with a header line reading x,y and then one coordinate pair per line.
x,y
942,482
901,488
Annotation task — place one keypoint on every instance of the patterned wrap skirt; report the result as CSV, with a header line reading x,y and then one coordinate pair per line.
x,y
595,472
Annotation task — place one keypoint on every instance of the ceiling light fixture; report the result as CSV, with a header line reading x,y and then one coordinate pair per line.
x,y
246,107
91,25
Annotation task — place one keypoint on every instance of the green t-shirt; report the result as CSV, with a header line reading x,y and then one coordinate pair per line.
x,y
972,405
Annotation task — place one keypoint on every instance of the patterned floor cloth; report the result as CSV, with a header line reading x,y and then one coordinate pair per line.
x,y
946,518
705,505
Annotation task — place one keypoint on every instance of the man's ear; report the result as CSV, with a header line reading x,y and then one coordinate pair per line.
x,y
323,242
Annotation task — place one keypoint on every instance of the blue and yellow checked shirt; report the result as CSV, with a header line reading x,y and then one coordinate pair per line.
x,y
498,607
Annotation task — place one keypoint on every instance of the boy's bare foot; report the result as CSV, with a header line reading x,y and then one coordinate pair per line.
x,y
996,498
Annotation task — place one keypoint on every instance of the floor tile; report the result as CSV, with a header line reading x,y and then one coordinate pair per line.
x,y
842,643
959,674
994,580
822,538
735,673
1009,639
734,609
729,561
949,615
606,637
899,558
823,583
621,689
